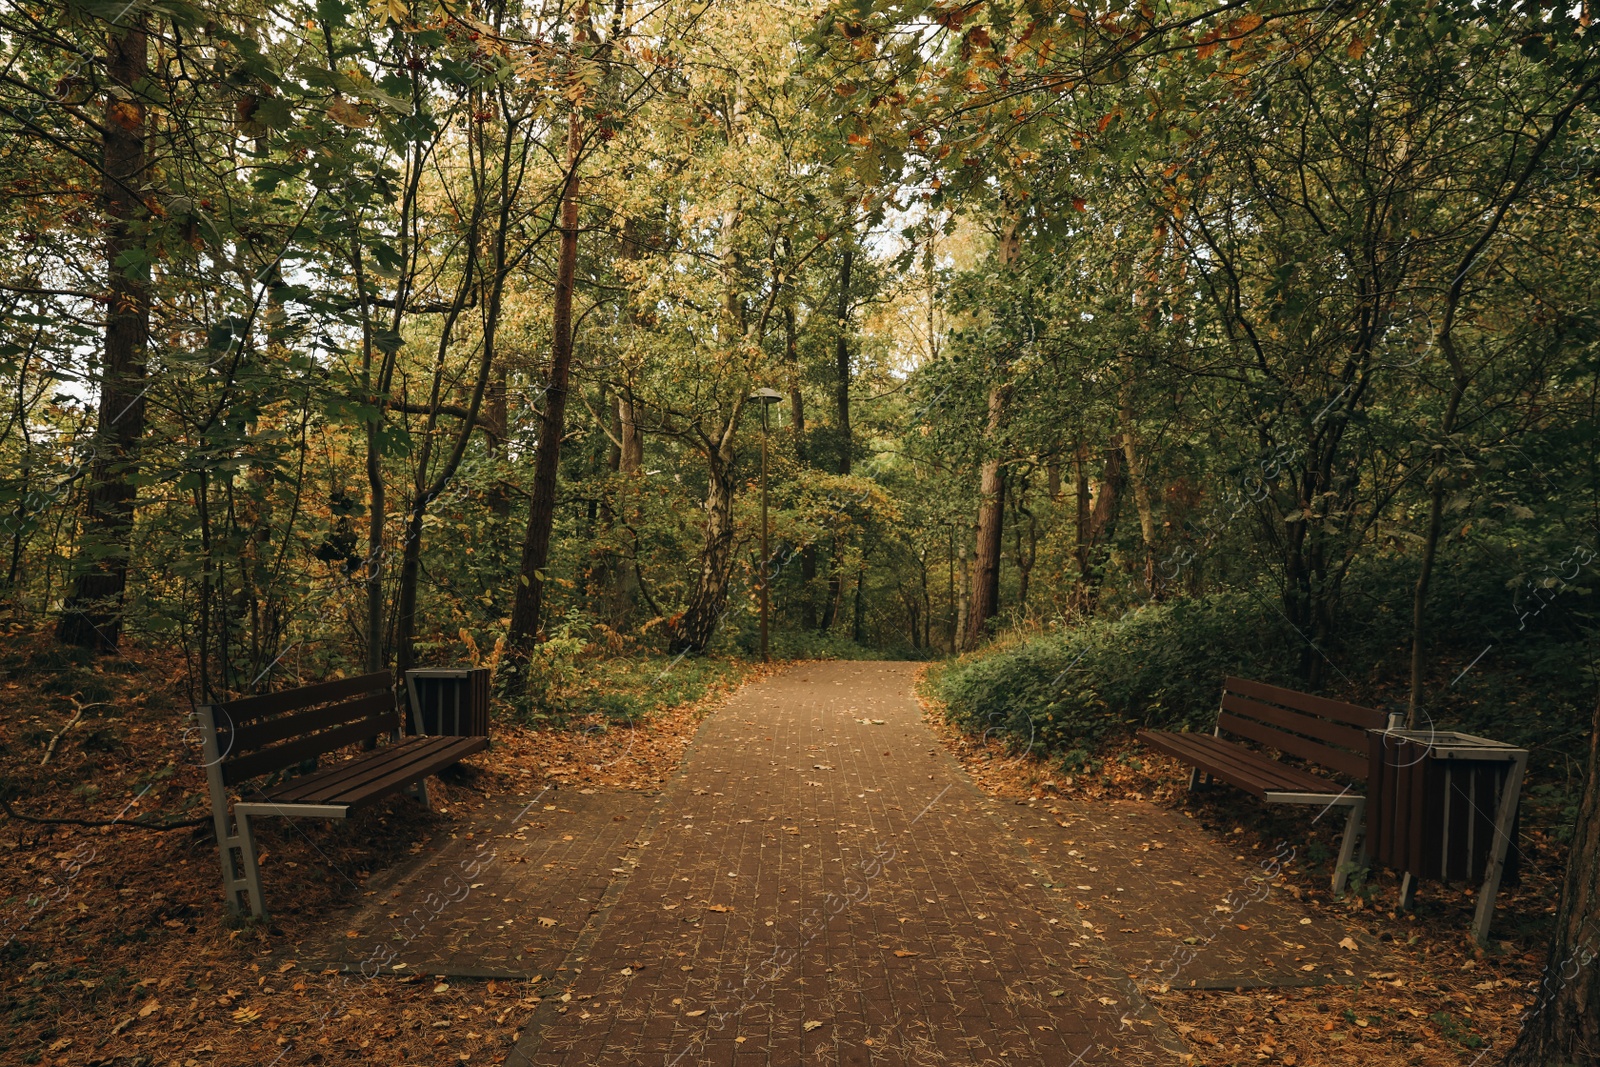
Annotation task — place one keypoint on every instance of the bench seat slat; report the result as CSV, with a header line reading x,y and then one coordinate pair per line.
x,y
427,762
330,781
320,783
1337,710
1248,770
1273,775
369,778
1238,766
1220,762
249,709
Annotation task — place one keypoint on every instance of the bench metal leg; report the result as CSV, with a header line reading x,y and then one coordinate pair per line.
x,y
241,874
252,870
1194,779
1408,892
420,791
1505,819
1353,827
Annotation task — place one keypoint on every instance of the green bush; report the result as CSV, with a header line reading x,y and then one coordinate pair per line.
x,y
1159,665
1162,665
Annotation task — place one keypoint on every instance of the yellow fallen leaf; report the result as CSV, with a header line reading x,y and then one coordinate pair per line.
x,y
811,1025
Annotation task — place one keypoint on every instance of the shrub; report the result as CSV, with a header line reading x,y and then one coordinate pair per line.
x,y
1159,665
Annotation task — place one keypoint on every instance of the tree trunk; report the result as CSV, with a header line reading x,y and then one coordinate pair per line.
x,y
991,528
92,616
1563,1028
426,490
1025,549
524,633
1098,524
963,587
797,423
841,400
857,628
1458,372
1080,486
841,361
693,630
630,462
1430,541
1141,503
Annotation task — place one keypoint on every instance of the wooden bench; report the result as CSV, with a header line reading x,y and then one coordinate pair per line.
x,y
1328,734
270,746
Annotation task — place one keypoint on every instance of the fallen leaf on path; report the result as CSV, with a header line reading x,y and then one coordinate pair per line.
x,y
904,952
546,922
1350,944
811,1025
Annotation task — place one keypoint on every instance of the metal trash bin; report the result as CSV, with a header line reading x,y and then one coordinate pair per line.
x,y
449,703
1443,805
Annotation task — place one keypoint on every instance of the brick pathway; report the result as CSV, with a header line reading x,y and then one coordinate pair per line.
x,y
506,899
1178,911
822,884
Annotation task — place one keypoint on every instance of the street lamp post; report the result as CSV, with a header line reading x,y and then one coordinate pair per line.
x,y
766,398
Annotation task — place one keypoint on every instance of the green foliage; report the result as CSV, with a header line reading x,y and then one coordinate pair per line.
x,y
573,683
1157,666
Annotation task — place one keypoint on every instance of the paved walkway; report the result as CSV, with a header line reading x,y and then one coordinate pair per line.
x,y
822,884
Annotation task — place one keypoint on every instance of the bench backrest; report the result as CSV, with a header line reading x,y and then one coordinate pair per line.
x,y
1326,732
258,735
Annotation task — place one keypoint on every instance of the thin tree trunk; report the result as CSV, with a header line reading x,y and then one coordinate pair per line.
x,y
991,528
963,587
630,461
1458,373
524,633
1080,485
797,424
377,506
857,629
1141,504
427,490
92,616
1563,1027
693,630
841,361
841,402
1098,524
1430,543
